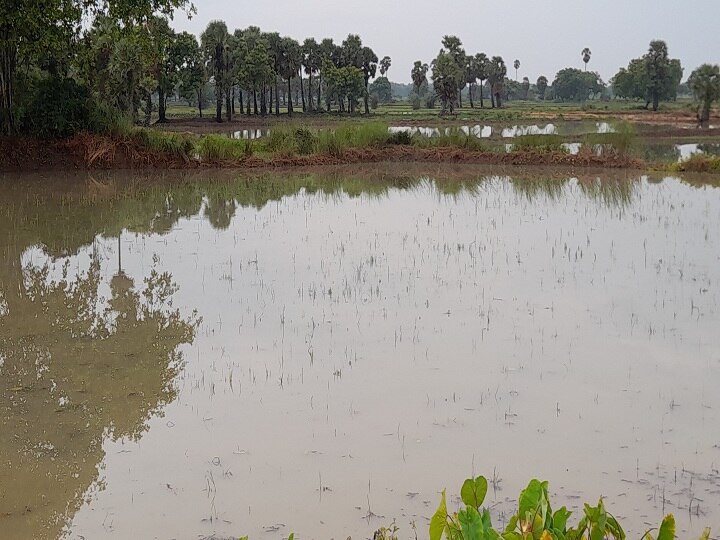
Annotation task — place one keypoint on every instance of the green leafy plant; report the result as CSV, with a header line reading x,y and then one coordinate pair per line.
x,y
534,519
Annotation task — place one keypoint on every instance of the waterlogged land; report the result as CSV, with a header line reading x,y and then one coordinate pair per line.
x,y
324,352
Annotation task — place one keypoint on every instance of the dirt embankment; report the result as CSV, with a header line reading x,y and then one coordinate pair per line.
x,y
86,152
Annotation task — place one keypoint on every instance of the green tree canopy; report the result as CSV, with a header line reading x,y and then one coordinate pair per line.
x,y
705,84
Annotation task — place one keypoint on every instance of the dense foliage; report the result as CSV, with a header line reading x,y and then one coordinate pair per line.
x,y
654,77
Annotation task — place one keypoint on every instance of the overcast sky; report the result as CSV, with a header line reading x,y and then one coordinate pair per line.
x,y
545,35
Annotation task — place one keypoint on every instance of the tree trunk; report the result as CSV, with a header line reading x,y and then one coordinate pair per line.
x,y
233,99
263,102
302,92
277,97
228,106
199,94
656,101
498,100
705,115
247,109
311,106
470,89
162,105
241,101
367,93
460,99
255,108
8,66
482,85
319,92
290,106
218,103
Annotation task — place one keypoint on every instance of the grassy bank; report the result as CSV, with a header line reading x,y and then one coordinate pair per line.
x,y
297,145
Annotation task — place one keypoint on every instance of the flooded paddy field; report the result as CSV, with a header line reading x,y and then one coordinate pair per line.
x,y
322,353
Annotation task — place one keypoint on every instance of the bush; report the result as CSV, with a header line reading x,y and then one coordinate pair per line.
x,y
374,101
401,138
57,108
305,141
430,101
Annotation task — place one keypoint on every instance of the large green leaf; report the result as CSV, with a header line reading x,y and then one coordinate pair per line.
x,y
471,524
667,528
438,523
473,491
706,534
534,500
560,518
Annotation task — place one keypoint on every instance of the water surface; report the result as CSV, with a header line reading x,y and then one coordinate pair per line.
x,y
183,357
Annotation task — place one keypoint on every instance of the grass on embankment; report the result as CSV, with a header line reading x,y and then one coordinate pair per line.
x,y
295,145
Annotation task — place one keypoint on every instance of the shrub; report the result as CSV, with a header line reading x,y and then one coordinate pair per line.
x,y
415,102
58,107
400,138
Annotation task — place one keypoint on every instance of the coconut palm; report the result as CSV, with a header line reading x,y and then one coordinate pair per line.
x,y
516,65
705,84
586,55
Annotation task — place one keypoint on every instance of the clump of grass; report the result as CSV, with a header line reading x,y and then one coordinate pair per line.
x,y
329,143
697,163
287,141
621,141
365,135
161,142
452,138
218,147
538,143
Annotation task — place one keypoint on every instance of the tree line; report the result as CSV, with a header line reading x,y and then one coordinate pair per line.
x,y
130,61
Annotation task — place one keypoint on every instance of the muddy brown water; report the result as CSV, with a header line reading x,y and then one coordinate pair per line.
x,y
323,353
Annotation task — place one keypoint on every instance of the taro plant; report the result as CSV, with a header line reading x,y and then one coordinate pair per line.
x,y
534,519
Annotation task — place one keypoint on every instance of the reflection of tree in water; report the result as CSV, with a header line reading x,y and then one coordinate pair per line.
x,y
75,367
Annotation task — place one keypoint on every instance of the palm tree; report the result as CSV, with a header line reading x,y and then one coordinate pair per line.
x,y
705,84
481,71
542,84
214,44
368,66
419,75
516,65
586,55
311,61
290,65
385,64
497,71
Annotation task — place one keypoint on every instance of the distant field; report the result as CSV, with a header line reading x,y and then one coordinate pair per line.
x,y
678,115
